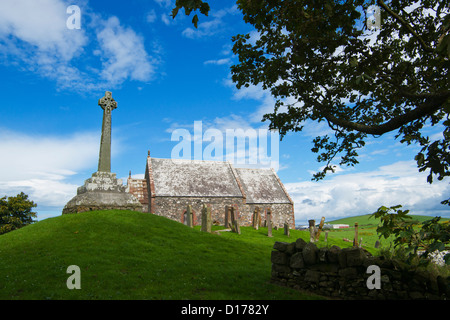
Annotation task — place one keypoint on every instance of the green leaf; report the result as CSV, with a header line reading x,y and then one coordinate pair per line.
x,y
195,20
175,12
447,259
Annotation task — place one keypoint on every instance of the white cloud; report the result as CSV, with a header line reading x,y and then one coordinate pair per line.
x,y
41,166
210,27
35,33
42,25
151,16
218,62
350,194
166,19
34,37
124,54
165,3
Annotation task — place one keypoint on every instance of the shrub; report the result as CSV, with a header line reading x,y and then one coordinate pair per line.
x,y
415,241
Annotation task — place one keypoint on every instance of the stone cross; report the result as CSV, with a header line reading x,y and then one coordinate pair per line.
x,y
108,104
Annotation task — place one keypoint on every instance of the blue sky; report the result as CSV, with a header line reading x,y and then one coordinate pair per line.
x,y
164,75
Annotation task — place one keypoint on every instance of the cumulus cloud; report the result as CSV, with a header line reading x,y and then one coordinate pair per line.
x,y
34,37
350,194
34,33
43,166
123,53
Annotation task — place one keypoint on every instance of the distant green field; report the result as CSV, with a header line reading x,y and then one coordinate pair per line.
x,y
367,221
366,229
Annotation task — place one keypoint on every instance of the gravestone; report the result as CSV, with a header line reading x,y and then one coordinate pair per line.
x,y
232,215
103,191
227,216
377,244
269,223
189,214
206,219
236,228
256,219
286,229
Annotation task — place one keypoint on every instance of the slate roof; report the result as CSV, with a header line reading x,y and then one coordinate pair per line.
x,y
194,178
262,186
200,178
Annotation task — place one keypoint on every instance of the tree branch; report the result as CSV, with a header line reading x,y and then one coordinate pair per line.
x,y
406,25
427,108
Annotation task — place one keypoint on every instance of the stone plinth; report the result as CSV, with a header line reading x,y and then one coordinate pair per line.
x,y
103,191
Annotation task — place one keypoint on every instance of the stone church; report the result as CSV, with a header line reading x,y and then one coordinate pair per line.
x,y
170,185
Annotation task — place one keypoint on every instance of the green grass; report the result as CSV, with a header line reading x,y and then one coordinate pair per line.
x,y
130,255
366,230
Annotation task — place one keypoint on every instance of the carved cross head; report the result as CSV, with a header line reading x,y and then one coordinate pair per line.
x,y
107,102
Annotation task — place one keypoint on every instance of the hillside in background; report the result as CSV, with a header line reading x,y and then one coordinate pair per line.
x,y
366,220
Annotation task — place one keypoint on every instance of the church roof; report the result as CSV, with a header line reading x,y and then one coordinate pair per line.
x,y
193,178
262,186
200,178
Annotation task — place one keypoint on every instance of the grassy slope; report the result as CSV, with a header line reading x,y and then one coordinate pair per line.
x,y
129,255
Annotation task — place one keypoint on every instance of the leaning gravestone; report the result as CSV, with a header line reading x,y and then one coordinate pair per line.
x,y
236,228
103,191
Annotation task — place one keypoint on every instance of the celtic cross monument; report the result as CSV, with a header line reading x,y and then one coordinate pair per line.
x,y
108,104
103,191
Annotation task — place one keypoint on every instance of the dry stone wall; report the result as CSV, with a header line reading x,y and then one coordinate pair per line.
x,y
343,274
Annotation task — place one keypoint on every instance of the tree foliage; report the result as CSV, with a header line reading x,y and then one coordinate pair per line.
x,y
16,212
189,6
429,236
322,63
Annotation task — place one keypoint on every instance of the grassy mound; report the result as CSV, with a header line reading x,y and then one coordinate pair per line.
x,y
130,255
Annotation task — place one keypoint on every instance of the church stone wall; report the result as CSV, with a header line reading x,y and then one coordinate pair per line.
x,y
175,207
281,213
